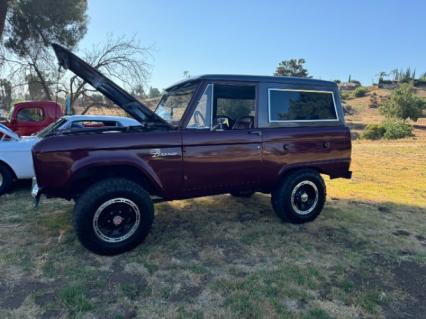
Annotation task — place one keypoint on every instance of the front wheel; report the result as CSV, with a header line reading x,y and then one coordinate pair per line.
x,y
113,216
300,197
6,179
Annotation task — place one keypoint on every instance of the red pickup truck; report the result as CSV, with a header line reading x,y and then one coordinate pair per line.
x,y
30,117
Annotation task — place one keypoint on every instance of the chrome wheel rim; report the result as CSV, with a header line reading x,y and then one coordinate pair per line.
x,y
116,220
304,197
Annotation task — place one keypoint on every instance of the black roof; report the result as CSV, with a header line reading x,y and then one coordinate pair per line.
x,y
253,78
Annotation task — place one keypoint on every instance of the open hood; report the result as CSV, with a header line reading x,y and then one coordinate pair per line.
x,y
100,82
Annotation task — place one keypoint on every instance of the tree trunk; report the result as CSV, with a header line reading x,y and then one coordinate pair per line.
x,y
43,82
4,4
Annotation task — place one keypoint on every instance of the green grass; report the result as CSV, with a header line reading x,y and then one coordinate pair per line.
x,y
75,300
221,257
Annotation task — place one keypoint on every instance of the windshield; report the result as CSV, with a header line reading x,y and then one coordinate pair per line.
x,y
52,127
173,104
7,134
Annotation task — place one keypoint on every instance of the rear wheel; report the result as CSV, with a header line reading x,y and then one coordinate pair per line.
x,y
300,197
6,179
113,216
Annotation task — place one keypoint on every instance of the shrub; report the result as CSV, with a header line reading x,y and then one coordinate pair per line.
x,y
397,129
403,104
391,129
360,91
373,132
344,95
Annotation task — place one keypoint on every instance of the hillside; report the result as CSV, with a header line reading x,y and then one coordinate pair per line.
x,y
363,115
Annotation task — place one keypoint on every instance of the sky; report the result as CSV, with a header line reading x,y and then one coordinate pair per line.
x,y
336,38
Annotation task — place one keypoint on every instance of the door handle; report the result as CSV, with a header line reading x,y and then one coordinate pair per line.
x,y
256,132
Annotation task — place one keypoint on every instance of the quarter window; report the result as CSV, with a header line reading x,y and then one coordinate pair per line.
x,y
304,106
33,114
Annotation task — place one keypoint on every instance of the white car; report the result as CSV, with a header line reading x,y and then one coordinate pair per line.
x,y
15,152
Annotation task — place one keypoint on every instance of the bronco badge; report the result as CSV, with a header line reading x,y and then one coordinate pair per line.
x,y
156,152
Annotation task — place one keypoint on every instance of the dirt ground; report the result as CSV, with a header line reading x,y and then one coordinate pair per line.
x,y
223,257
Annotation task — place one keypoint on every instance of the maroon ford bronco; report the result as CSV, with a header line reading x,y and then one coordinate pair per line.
x,y
211,134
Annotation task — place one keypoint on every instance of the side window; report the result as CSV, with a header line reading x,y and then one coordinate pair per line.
x,y
33,114
303,106
201,118
234,106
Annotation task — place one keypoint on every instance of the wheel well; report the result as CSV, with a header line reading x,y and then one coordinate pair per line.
x,y
85,178
9,168
295,169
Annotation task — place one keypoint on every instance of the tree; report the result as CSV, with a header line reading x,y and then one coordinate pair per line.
x,y
30,27
154,92
381,75
35,88
139,91
403,104
292,67
34,23
395,74
4,4
5,94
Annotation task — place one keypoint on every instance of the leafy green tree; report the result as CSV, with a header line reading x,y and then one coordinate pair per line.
x,y
153,92
403,104
31,25
292,67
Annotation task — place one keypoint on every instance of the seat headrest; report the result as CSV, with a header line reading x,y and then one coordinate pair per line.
x,y
243,123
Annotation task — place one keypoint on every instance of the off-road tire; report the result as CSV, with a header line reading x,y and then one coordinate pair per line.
x,y
6,179
242,194
94,197
281,197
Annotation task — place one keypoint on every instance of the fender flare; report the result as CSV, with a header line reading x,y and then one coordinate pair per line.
x,y
79,169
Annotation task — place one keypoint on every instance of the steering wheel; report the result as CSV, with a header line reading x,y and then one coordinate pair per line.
x,y
199,116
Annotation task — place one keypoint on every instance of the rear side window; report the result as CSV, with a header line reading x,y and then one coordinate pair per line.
x,y
33,114
301,106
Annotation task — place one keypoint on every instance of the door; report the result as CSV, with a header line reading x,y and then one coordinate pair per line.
x,y
221,144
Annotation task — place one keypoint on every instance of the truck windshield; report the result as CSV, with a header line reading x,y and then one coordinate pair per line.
x,y
173,104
